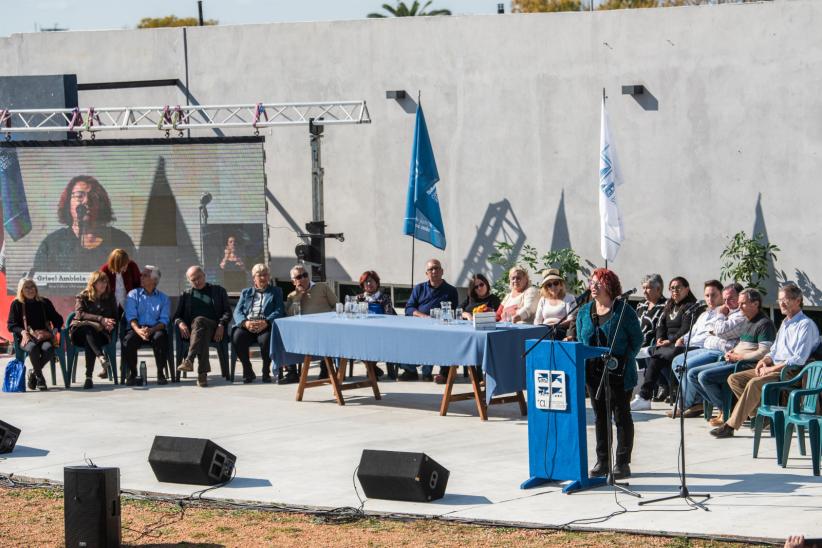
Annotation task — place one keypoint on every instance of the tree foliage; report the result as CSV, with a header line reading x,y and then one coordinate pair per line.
x,y
566,260
533,6
745,260
172,21
403,10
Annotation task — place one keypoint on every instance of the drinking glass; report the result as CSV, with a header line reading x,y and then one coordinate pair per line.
x,y
340,310
296,309
458,314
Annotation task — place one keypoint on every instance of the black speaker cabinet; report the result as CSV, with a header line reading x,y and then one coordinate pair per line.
x,y
8,437
190,460
92,506
393,475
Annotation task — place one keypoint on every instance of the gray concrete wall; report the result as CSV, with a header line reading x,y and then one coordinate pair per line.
x,y
728,139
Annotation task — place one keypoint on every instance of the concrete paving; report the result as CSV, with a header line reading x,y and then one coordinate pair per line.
x,y
305,453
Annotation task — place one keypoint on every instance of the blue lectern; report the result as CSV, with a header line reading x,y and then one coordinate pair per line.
x,y
557,446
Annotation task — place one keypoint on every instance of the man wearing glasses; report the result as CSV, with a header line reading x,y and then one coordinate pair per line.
x,y
424,297
309,297
797,337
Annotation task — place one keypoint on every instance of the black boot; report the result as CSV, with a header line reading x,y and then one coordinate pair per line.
x,y
599,469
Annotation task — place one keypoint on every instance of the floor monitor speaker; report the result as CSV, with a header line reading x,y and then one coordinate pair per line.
x,y
194,461
8,437
394,475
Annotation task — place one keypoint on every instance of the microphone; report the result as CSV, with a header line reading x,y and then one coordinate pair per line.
x,y
205,199
582,297
626,294
82,211
695,306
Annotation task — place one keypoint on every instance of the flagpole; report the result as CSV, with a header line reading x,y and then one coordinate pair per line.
x,y
603,106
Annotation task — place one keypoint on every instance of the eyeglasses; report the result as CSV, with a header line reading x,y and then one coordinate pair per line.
x,y
300,276
784,300
555,283
433,268
675,288
479,285
79,195
594,284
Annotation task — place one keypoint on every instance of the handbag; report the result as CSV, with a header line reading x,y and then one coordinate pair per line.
x,y
97,326
39,335
667,353
14,379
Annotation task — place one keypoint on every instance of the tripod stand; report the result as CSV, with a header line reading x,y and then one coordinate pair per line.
x,y
610,363
679,404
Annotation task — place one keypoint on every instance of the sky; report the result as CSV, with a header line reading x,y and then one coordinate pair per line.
x,y
30,15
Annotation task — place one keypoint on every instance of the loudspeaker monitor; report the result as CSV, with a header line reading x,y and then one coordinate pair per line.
x,y
193,461
394,475
8,437
92,506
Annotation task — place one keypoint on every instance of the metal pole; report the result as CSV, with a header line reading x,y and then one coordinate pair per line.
x,y
200,11
317,216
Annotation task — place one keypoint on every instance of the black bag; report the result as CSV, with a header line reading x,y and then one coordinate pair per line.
x,y
667,353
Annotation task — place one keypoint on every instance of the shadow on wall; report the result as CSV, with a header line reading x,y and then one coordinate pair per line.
x,y
811,292
774,277
499,224
561,238
647,100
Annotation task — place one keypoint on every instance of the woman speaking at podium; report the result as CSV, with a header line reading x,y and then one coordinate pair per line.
x,y
596,325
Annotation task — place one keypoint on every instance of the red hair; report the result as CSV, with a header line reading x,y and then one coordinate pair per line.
x,y
369,274
609,281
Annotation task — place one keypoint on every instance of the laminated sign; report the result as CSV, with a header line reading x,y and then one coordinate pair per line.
x,y
551,390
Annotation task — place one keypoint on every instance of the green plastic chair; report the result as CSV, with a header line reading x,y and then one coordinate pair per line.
x,y
772,409
727,397
72,353
801,415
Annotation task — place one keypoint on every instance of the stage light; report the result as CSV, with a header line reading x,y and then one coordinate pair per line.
x,y
633,89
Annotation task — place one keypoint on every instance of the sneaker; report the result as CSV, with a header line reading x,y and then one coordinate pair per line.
x,y
440,379
31,384
185,365
409,376
202,380
640,404
88,384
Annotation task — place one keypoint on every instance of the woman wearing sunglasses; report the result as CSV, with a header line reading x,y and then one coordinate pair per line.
x,y
554,304
479,293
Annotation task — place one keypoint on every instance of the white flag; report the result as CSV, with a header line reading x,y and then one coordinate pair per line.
x,y
611,231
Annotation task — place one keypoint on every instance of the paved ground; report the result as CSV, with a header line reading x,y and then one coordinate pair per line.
x,y
305,454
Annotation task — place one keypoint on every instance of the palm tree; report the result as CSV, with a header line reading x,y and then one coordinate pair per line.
x,y
402,10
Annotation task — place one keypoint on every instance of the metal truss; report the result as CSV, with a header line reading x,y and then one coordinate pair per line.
x,y
178,118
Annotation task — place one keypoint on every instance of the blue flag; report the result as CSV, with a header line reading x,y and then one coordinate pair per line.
x,y
13,204
423,219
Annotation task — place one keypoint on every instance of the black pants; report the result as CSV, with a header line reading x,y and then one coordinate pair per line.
x,y
657,369
620,412
132,342
242,341
40,354
93,341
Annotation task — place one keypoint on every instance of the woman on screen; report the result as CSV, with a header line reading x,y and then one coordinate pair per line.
x,y
85,242
231,259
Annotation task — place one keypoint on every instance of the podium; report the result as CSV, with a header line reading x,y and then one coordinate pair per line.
x,y
557,445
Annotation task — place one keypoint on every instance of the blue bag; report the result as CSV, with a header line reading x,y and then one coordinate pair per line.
x,y
15,377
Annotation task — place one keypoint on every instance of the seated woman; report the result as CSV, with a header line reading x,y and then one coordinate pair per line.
x,y
650,310
520,304
554,305
95,315
258,307
32,319
379,302
123,275
673,324
479,294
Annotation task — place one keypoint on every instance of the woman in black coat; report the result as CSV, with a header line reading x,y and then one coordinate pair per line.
x,y
32,321
674,323
95,313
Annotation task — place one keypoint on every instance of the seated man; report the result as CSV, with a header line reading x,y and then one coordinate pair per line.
x,y
755,340
202,315
797,337
424,297
147,316
704,345
309,297
258,307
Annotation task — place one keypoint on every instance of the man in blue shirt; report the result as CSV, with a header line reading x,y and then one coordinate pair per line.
x,y
424,297
147,316
796,339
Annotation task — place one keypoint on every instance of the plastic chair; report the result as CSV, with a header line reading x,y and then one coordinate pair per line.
x,y
181,349
771,408
233,360
59,354
72,354
801,415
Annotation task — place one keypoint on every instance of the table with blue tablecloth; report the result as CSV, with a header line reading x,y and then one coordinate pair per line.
x,y
402,339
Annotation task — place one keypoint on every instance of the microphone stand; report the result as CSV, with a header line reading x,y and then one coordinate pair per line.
x,y
203,223
678,404
553,328
604,384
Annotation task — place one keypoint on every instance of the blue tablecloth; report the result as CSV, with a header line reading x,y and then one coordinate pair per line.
x,y
402,339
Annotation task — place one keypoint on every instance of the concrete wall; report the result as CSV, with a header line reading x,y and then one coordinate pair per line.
x,y
728,137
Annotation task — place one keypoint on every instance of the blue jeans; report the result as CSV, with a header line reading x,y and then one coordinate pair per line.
x,y
426,369
709,380
696,358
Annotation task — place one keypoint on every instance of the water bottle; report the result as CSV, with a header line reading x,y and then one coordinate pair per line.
x,y
143,374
